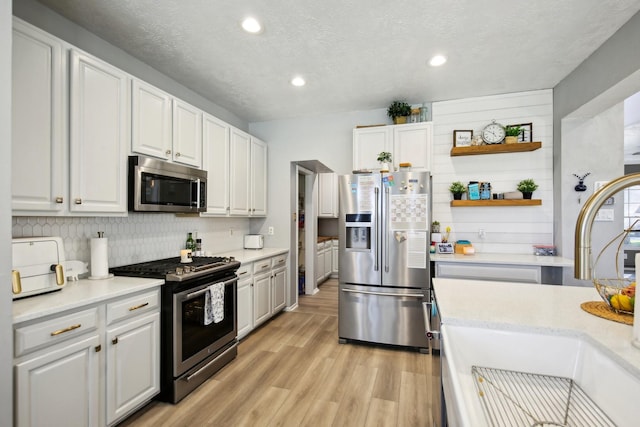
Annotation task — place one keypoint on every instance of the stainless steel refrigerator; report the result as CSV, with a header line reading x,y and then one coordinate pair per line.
x,y
384,237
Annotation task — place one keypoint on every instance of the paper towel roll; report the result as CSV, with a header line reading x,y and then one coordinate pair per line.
x,y
99,258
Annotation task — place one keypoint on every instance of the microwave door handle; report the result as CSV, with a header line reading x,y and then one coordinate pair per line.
x,y
197,183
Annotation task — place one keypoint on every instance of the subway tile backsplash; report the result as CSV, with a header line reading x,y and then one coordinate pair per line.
x,y
136,238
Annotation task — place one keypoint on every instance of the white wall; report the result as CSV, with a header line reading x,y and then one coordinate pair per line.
x,y
507,229
6,335
592,145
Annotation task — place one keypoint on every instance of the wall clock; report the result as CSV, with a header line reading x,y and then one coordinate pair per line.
x,y
493,133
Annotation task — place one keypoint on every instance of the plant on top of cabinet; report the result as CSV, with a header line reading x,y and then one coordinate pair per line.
x,y
398,111
457,189
527,187
384,157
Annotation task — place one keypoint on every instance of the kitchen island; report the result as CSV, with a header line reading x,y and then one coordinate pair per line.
x,y
540,313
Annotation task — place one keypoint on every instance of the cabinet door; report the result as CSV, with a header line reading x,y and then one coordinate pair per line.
x,y
319,264
187,134
279,280
328,195
60,387
38,149
368,143
133,364
334,257
328,255
150,121
99,136
412,143
239,172
215,160
261,298
258,177
245,307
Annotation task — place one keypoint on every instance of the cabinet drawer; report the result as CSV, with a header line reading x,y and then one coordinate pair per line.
x,y
245,270
132,306
279,261
51,331
262,266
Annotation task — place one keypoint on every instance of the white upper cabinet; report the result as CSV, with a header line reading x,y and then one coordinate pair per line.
x,y
38,152
258,177
99,135
368,143
187,134
150,121
239,186
413,144
409,143
328,195
215,160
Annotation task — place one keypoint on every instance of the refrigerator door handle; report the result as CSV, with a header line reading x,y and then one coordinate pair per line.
x,y
376,252
384,294
385,232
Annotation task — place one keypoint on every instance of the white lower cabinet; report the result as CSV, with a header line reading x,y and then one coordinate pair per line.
x,y
261,297
245,299
334,257
61,376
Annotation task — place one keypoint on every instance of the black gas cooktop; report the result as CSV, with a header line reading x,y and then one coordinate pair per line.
x,y
172,269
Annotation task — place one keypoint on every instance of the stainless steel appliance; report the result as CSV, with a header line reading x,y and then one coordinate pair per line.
x,y
37,266
159,186
384,257
191,349
253,241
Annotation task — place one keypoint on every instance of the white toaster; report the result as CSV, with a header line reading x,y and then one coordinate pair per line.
x,y
254,241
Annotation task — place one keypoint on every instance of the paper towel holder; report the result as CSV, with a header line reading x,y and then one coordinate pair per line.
x,y
94,260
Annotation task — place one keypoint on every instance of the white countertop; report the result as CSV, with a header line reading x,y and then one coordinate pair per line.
x,y
534,308
251,255
515,259
78,294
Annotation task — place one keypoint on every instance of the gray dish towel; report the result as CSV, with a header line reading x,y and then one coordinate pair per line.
x,y
214,304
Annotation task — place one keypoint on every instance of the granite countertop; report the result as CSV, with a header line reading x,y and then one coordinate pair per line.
x,y
514,259
251,255
548,309
78,294
322,239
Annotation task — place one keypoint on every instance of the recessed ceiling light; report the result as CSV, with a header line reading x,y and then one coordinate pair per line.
x,y
251,25
437,61
298,81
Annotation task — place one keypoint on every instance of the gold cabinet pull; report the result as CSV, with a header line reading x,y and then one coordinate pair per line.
x,y
98,348
135,307
67,329
78,201
16,283
59,200
59,273
114,341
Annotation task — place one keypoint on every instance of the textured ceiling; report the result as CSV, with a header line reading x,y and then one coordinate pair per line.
x,y
355,55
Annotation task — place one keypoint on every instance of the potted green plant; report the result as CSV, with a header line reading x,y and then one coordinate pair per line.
x,y
457,189
527,187
398,111
511,134
384,157
435,227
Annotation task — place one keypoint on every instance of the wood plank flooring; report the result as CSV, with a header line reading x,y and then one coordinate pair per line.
x,y
293,372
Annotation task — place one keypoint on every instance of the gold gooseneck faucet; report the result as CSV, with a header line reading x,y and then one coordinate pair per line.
x,y
582,255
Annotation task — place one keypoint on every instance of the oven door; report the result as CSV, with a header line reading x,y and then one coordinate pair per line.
x,y
193,340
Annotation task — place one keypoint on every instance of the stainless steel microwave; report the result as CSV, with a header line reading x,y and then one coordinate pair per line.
x,y
160,186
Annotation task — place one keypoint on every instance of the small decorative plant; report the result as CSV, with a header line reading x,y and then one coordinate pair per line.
x,y
384,157
527,186
398,109
512,130
457,189
435,227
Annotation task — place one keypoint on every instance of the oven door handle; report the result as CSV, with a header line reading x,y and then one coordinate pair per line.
x,y
196,294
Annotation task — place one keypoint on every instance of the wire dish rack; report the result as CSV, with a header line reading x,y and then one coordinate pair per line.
x,y
513,399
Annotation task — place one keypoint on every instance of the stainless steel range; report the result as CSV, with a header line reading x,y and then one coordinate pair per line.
x,y
193,346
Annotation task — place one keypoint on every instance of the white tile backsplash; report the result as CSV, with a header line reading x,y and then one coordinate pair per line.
x,y
136,238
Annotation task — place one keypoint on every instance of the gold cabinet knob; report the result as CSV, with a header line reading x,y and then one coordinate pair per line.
x,y
59,199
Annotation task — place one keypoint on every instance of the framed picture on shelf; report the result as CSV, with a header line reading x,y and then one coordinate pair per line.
x,y
526,133
462,138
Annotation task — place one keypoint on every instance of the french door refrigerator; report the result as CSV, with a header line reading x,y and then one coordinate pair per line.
x,y
384,278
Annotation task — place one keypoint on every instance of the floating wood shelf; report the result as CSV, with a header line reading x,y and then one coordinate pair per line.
x,y
501,202
475,150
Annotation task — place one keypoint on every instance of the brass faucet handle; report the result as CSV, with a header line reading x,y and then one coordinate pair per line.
x,y
16,283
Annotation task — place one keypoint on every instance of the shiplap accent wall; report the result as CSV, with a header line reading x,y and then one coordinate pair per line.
x,y
507,229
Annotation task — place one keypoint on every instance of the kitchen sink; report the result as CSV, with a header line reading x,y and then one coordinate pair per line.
x,y
612,388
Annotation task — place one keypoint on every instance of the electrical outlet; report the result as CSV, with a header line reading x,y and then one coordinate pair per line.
x,y
231,231
271,231
605,215
481,233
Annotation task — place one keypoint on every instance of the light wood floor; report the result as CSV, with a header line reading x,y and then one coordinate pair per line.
x,y
293,372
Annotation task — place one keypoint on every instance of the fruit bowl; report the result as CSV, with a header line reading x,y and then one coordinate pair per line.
x,y
619,294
